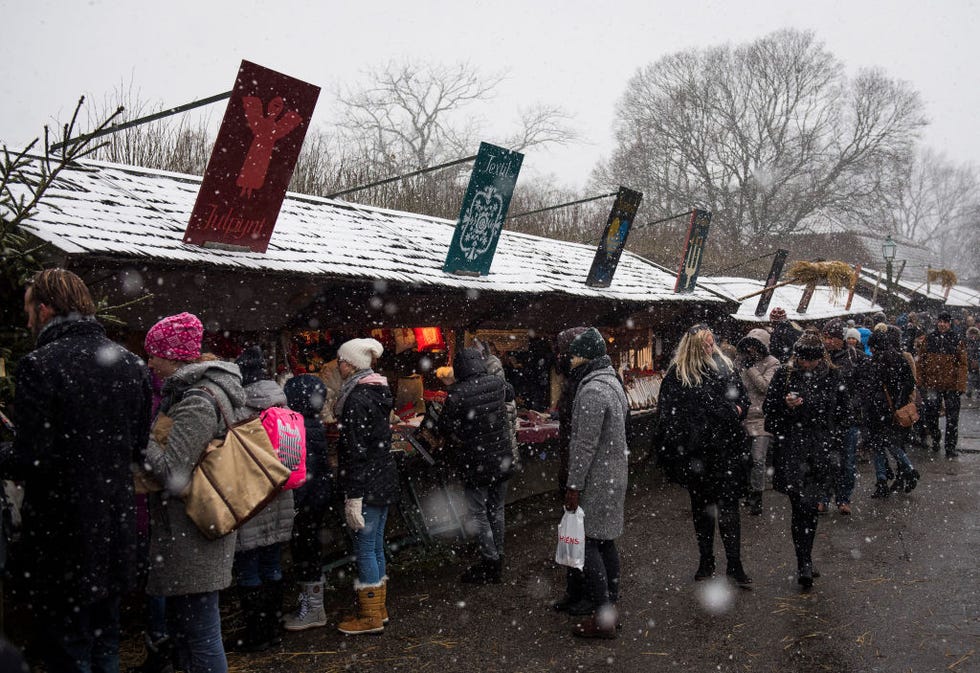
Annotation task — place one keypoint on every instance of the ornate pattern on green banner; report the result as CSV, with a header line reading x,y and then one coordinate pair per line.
x,y
484,209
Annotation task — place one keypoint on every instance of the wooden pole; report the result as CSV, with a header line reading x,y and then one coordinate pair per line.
x,y
850,294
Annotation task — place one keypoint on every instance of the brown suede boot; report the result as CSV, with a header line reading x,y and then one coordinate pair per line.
x,y
368,617
384,599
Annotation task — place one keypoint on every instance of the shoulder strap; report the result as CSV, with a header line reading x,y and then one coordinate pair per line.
x,y
891,407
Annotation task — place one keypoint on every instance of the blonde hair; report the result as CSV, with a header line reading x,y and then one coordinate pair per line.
x,y
690,359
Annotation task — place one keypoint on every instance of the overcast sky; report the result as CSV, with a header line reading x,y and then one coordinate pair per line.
x,y
575,54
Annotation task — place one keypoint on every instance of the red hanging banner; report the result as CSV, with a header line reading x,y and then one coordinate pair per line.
x,y
252,160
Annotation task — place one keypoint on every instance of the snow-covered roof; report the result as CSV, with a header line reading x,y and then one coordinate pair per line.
x,y
124,212
823,304
959,295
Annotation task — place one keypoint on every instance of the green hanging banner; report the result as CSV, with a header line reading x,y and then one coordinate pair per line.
x,y
484,209
697,236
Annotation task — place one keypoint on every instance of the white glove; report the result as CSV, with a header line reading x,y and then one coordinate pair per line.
x,y
352,512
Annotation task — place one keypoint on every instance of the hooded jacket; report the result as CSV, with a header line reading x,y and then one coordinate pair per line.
x,y
475,422
275,522
756,378
306,394
182,560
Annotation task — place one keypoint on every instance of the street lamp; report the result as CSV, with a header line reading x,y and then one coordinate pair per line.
x,y
888,250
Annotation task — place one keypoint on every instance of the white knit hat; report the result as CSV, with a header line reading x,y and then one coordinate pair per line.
x,y
852,333
360,352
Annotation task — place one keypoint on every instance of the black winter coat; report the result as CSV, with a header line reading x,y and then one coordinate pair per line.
x,y
306,394
781,341
805,438
855,371
82,411
701,441
889,371
367,467
474,421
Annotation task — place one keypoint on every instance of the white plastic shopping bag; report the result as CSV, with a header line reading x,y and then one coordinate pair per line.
x,y
571,540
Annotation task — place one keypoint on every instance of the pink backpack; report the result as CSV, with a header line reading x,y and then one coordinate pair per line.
x,y
288,434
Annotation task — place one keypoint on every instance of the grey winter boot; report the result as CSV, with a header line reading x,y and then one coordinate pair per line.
x,y
310,613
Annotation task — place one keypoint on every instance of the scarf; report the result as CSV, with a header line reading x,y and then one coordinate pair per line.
x,y
351,382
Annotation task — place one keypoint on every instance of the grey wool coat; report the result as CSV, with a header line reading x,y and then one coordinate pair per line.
x,y
182,560
275,522
598,454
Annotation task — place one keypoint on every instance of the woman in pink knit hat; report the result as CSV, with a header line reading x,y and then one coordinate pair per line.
x,y
187,568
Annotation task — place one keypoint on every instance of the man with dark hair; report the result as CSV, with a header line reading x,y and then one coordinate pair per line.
x,y
82,413
942,376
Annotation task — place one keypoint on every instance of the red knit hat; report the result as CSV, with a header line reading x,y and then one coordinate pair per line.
x,y
176,337
777,314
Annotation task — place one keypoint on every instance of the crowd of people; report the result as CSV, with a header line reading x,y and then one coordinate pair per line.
x,y
89,419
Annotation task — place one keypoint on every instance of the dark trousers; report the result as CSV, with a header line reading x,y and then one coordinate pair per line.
x,y
803,526
81,640
933,400
313,501
601,571
704,512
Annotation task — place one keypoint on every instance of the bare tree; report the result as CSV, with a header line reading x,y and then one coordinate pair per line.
x,y
762,134
931,201
413,116
180,143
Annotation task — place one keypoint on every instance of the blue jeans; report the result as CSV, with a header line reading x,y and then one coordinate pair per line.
x,y
889,439
485,505
258,565
369,544
195,625
83,640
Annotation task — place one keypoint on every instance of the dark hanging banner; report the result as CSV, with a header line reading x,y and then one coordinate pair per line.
x,y
614,238
697,237
806,297
774,273
481,217
252,160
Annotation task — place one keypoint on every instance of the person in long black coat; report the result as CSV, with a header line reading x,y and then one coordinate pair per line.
x,y
82,414
702,444
806,409
477,429
891,386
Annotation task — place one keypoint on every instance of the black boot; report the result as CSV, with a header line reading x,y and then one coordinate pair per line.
x,y
910,480
159,657
481,573
254,636
706,568
495,571
806,575
881,489
272,612
737,573
574,598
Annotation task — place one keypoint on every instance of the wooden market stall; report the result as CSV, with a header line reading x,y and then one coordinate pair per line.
x,y
335,270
